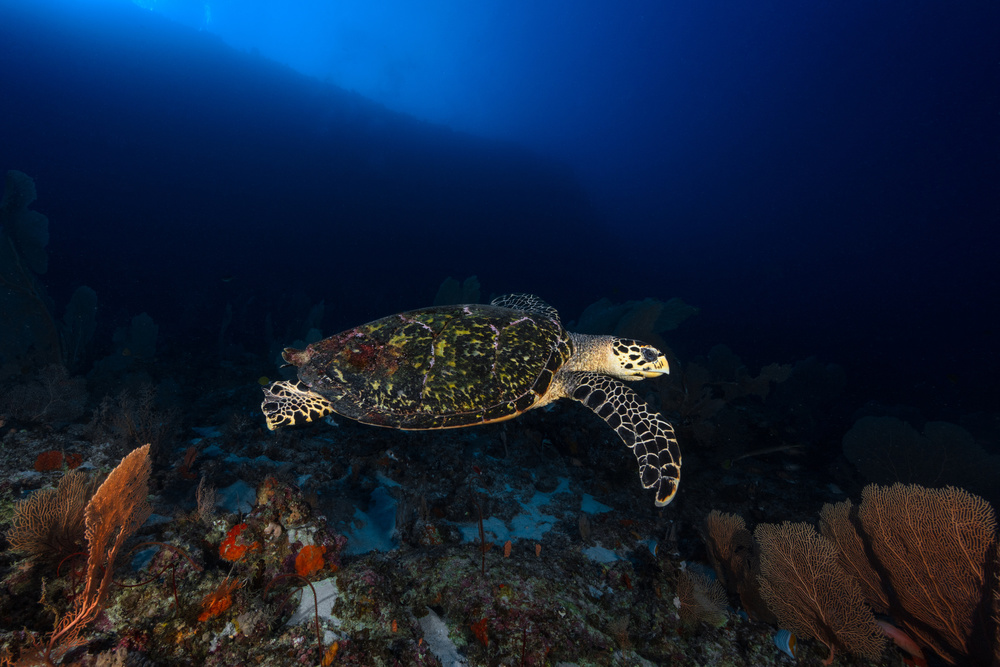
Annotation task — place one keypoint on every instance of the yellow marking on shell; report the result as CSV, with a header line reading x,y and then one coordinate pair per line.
x,y
402,344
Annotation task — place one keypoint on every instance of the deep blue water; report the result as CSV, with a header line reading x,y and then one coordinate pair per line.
x,y
818,181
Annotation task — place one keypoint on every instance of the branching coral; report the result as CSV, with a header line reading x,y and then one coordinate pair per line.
x,y
811,593
887,450
49,524
114,513
926,557
31,336
50,397
23,236
701,599
923,554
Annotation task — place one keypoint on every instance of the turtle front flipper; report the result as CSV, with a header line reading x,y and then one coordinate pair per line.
x,y
650,437
526,302
291,404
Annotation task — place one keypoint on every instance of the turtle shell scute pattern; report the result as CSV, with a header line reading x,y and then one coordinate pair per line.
x,y
440,367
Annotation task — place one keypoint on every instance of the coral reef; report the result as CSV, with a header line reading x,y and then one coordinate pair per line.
x,y
547,595
518,543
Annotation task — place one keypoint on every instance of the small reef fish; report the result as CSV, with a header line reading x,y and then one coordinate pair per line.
x,y
905,642
792,449
786,643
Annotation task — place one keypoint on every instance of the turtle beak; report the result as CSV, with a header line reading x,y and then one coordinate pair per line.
x,y
659,367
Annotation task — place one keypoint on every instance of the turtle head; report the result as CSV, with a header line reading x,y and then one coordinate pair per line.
x,y
634,360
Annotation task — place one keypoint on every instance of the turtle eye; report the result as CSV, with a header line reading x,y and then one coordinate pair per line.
x,y
649,354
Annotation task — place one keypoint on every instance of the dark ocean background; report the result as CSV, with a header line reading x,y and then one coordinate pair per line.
x,y
818,179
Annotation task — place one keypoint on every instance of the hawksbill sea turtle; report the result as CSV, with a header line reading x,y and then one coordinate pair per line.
x,y
453,366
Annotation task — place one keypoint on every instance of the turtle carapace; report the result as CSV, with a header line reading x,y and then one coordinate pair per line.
x,y
454,366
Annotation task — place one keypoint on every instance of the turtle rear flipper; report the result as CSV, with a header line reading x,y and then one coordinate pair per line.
x,y
650,437
291,404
